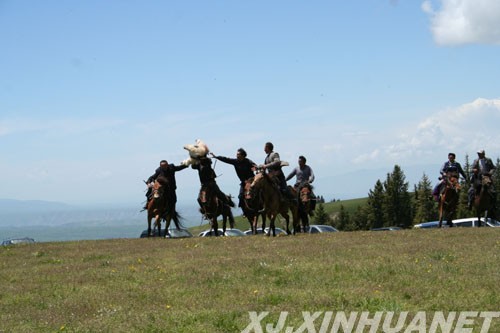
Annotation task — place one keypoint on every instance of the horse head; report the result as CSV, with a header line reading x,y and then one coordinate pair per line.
x,y
452,181
258,180
305,194
486,181
247,189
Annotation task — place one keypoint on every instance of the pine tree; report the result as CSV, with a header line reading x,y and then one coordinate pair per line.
x,y
320,215
462,209
342,222
398,207
375,209
359,220
425,206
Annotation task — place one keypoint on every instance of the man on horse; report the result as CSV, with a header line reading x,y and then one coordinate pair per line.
x,y
482,166
166,171
449,166
272,164
207,178
304,177
243,166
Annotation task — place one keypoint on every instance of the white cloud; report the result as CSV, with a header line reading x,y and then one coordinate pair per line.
x,y
459,22
463,129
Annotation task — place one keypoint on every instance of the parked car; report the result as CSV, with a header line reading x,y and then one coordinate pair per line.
x,y
279,231
320,228
472,222
15,241
229,232
182,233
172,233
465,222
386,229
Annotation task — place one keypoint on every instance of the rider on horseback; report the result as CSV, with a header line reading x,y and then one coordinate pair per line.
x,y
449,166
481,166
273,164
166,171
304,177
207,178
244,169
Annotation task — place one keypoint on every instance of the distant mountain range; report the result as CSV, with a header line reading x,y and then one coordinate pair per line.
x,y
11,205
40,213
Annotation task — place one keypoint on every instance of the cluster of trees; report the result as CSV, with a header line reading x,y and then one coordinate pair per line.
x,y
390,203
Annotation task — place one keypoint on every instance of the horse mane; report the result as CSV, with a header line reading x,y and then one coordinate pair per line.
x,y
162,180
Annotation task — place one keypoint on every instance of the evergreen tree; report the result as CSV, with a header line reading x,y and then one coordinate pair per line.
x,y
342,221
425,206
462,209
359,221
320,215
375,209
397,203
496,183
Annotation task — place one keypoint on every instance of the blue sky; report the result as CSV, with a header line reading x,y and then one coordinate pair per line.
x,y
93,94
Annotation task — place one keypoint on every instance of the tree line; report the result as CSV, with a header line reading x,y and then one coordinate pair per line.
x,y
390,203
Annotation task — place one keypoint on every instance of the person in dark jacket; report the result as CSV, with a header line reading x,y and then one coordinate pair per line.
x,y
207,177
166,171
449,166
243,166
481,166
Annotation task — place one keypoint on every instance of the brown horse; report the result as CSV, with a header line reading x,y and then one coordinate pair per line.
x,y
161,206
449,199
306,200
483,199
252,206
211,207
274,204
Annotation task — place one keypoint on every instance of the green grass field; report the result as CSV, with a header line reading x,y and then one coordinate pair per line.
x,y
211,284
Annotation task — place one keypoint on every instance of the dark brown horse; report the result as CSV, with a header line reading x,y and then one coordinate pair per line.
x,y
484,200
273,202
161,206
211,208
305,198
252,206
449,199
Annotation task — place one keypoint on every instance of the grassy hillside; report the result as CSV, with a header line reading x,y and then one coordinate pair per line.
x,y
210,285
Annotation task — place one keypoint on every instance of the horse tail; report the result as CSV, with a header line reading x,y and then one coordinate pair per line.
x,y
177,218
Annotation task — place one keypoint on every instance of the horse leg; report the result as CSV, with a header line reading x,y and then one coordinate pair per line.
x,y
215,226
440,215
150,217
158,224
224,222
231,218
272,227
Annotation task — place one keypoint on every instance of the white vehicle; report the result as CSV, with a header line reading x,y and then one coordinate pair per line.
x,y
465,222
229,232
472,222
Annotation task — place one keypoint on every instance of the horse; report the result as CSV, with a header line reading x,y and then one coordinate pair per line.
x,y
211,207
273,202
483,200
305,204
161,206
449,199
252,206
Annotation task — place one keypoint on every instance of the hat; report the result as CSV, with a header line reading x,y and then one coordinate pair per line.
x,y
481,151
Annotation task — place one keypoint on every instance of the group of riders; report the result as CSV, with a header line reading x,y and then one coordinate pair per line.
x,y
481,167
245,170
